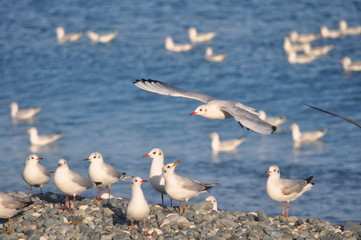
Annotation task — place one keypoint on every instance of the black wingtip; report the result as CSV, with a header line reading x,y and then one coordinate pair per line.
x,y
97,183
274,128
308,180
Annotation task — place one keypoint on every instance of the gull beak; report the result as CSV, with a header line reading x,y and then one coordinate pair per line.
x,y
144,181
87,159
268,172
193,113
39,158
146,155
176,163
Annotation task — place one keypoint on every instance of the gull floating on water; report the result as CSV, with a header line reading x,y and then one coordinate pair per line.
x,y
138,208
69,37
327,33
214,57
173,47
303,38
346,30
224,146
299,136
35,174
196,37
214,108
349,66
42,140
182,188
101,38
70,182
9,206
293,58
285,190
213,200
275,121
19,114
318,51
99,171
289,47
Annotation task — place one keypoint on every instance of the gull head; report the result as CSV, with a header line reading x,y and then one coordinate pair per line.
x,y
273,171
137,181
14,105
213,200
32,131
33,158
62,163
200,110
346,61
155,152
170,167
213,135
295,127
95,157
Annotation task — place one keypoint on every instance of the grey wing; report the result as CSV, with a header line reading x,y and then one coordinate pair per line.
x,y
162,88
82,181
44,170
113,172
290,186
247,118
191,185
9,202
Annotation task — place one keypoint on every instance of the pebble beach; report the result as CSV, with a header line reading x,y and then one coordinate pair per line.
x,y
106,219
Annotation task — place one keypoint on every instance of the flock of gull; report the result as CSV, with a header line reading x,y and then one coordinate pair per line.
x,y
64,37
299,49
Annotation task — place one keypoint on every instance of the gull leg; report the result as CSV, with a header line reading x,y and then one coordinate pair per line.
x,y
144,228
288,208
131,225
283,208
10,230
31,190
180,207
99,198
74,207
109,191
186,206
66,203
41,189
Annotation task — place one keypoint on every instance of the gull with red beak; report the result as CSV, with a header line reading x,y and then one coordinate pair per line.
x,y
35,174
182,188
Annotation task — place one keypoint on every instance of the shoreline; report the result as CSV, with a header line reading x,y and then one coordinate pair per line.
x,y
106,219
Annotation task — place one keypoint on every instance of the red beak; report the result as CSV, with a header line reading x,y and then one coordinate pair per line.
x,y
144,181
146,155
267,171
39,158
192,113
87,159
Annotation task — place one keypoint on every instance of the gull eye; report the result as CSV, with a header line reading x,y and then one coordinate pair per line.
x,y
165,171
168,166
94,156
160,154
154,152
200,109
135,180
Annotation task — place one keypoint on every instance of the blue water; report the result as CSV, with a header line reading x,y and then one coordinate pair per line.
x,y
86,92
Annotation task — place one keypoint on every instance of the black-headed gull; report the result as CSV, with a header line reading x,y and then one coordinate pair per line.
x,y
226,145
303,38
336,115
63,37
196,37
99,171
327,33
289,47
276,121
348,65
101,38
214,108
9,206
42,140
213,200
70,182
182,188
319,51
210,56
295,58
20,114
300,137
35,174
179,47
346,30
285,190
156,178
138,208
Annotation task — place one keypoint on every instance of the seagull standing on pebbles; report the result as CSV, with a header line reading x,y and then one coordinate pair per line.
x,y
99,171
70,182
285,190
42,140
35,174
182,188
138,208
213,200
20,114
214,108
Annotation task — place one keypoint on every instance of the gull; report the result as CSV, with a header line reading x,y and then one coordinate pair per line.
x,y
224,146
138,208
99,171
42,140
319,51
182,188
348,65
276,121
35,174
214,108
213,200
327,33
172,47
70,182
104,38
285,190
306,136
155,176
19,114
10,206
303,38
196,37
336,115
289,47
214,57
303,58
69,37
346,30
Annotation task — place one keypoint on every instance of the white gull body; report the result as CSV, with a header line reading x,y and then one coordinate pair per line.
x,y
173,47
346,30
42,140
210,56
138,208
19,114
319,51
299,136
224,146
101,38
196,37
295,58
100,171
213,200
276,121
327,33
303,38
70,182
285,190
63,37
182,188
35,174
214,108
348,65
289,47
